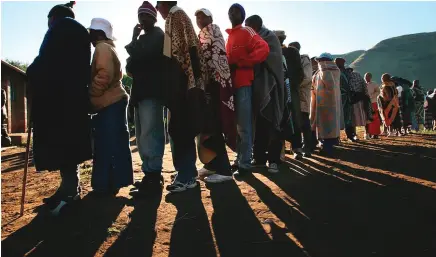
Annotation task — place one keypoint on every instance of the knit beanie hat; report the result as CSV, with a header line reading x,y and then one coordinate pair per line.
x,y
148,8
241,9
62,10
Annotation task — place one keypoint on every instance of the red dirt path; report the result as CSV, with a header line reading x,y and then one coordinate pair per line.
x,y
377,198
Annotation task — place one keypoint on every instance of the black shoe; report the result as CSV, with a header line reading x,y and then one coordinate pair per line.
x,y
57,207
298,154
151,184
307,154
257,164
57,196
241,172
234,167
104,194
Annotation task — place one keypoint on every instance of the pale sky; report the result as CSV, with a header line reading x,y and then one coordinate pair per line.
x,y
335,27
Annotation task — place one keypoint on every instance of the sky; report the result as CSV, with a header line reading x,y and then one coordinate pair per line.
x,y
335,27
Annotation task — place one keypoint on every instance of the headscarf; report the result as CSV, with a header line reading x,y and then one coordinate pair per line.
x,y
180,38
148,8
64,10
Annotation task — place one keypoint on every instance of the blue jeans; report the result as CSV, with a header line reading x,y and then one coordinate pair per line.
x,y
150,134
243,108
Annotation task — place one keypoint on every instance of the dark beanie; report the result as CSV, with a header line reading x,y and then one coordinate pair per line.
x,y
62,10
241,9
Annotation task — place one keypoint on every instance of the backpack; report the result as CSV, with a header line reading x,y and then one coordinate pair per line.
x,y
307,67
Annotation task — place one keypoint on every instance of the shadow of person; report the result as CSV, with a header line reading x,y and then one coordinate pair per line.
x,y
138,238
191,234
77,232
237,230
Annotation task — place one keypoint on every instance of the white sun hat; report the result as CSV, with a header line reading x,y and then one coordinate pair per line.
x,y
104,25
205,11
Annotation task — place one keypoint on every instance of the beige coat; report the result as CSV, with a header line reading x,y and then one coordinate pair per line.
x,y
106,87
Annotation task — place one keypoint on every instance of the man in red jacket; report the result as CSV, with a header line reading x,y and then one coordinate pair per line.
x,y
245,48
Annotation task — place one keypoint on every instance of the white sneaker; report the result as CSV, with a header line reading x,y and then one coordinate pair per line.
x,y
205,172
217,178
177,186
273,168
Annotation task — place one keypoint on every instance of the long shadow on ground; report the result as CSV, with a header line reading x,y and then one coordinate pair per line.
x,y
138,238
238,231
191,234
384,216
79,232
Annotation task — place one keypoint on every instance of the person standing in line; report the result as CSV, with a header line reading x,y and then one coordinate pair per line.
x,y
185,78
112,166
58,85
287,123
430,109
268,100
372,130
347,106
245,48
6,140
295,75
221,112
145,64
388,103
396,128
362,109
325,111
305,95
419,97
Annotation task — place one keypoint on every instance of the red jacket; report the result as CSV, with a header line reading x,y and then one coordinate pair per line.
x,y
245,48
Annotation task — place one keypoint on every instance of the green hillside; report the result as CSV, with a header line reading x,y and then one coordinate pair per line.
x,y
410,56
351,56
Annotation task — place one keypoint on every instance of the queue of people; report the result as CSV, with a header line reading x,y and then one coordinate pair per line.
x,y
250,94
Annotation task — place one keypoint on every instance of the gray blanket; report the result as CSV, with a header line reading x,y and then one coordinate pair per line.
x,y
268,84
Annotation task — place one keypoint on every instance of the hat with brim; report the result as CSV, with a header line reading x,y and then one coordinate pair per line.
x,y
103,25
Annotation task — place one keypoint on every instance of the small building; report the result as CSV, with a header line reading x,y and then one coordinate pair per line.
x,y
14,83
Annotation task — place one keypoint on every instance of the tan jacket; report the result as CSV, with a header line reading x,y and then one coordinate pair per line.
x,y
106,87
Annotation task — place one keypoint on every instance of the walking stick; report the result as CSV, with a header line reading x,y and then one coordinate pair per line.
x,y
26,165
23,192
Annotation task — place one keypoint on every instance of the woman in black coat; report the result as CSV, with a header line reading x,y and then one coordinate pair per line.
x,y
58,79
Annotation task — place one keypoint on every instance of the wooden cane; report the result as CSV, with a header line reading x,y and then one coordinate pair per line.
x,y
23,192
26,165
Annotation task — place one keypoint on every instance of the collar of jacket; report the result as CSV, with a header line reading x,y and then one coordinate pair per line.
x,y
229,31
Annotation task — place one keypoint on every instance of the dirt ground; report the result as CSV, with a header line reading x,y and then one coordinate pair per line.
x,y
375,198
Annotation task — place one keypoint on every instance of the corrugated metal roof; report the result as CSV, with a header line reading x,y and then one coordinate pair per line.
x,y
14,68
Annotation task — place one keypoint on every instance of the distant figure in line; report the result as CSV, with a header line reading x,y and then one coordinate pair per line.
x,y
373,129
325,111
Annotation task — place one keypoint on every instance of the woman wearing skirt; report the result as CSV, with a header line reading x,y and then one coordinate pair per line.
x,y
112,166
